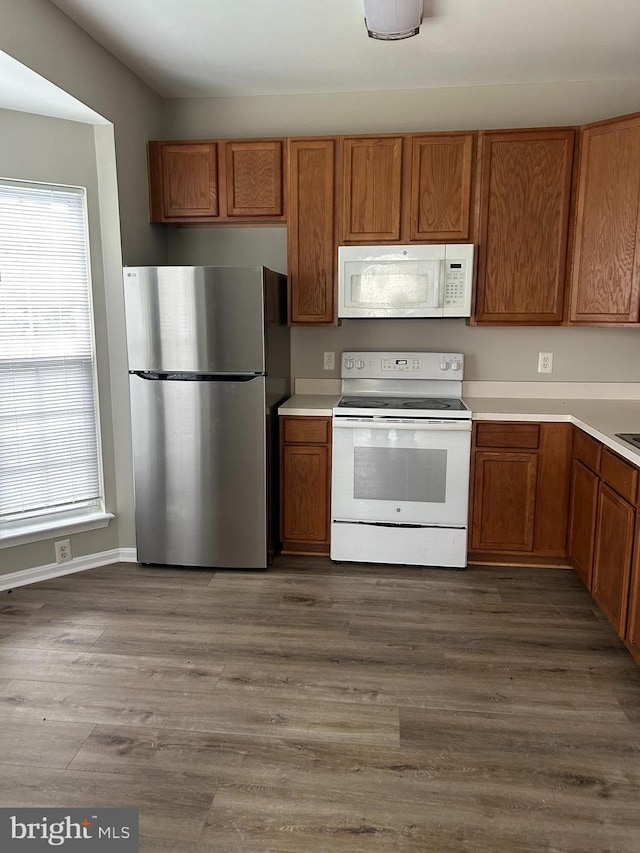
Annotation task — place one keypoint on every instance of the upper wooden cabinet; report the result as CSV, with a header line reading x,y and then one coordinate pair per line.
x,y
371,187
254,178
440,186
525,200
217,181
399,189
311,246
605,285
183,180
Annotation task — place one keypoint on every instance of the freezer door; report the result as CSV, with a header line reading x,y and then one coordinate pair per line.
x,y
200,472
195,319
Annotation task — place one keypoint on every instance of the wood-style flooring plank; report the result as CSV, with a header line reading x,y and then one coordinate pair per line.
x,y
107,671
41,744
266,715
171,805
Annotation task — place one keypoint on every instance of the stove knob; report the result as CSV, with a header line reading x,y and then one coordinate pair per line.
x,y
455,365
359,364
444,365
348,364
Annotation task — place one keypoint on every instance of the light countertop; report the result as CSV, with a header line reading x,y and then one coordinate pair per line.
x,y
317,405
601,419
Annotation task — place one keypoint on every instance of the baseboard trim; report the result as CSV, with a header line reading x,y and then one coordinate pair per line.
x,y
56,570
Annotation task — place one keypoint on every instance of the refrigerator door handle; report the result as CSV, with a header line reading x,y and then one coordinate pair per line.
x,y
176,376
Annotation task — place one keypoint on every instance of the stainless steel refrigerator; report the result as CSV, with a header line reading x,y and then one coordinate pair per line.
x,y
209,363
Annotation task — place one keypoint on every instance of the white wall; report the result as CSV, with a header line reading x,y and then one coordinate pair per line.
x,y
492,353
478,107
41,37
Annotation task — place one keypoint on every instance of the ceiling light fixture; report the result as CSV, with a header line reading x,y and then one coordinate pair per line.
x,y
391,20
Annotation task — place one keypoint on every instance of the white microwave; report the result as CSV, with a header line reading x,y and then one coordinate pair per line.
x,y
405,281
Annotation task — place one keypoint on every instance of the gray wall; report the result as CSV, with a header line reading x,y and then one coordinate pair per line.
x,y
492,353
40,36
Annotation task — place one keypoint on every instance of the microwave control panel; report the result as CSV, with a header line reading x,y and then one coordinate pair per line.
x,y
454,284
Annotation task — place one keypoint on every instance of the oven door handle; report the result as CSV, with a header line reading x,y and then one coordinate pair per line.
x,y
417,425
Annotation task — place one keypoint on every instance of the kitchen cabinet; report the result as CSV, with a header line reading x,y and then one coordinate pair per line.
x,y
183,181
305,484
605,285
612,558
311,245
585,483
615,528
439,192
632,636
602,522
371,188
408,188
519,491
216,181
525,200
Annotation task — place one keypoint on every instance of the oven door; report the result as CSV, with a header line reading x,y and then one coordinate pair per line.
x,y
405,471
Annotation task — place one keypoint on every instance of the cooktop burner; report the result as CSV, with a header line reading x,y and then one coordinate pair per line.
x,y
432,403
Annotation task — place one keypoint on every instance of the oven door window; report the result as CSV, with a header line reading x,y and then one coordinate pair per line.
x,y
404,476
400,474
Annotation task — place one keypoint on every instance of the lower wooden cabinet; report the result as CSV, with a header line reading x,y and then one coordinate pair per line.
x,y
305,484
582,520
504,500
612,559
603,541
520,491
632,636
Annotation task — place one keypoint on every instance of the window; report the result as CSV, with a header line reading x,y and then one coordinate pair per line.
x,y
50,465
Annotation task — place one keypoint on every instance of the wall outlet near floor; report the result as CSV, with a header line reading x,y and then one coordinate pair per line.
x,y
545,362
329,362
63,551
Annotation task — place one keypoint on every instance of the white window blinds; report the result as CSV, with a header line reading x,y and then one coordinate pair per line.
x,y
49,449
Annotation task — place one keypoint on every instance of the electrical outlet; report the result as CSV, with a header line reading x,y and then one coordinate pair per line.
x,y
329,361
63,551
545,362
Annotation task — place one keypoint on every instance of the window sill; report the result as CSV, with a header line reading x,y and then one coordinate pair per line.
x,y
20,532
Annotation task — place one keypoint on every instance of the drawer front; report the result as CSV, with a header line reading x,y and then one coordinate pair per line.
x,y
306,430
516,435
622,477
587,449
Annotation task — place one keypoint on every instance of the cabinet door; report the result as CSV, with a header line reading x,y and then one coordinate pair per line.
x,y
311,245
440,189
612,560
372,179
525,192
606,268
582,520
633,620
504,501
254,178
305,489
553,490
183,180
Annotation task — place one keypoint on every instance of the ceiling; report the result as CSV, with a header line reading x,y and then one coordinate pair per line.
x,y
223,48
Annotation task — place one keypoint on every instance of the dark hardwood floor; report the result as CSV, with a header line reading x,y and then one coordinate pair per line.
x,y
321,707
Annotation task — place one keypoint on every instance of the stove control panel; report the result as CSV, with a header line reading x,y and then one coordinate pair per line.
x,y
402,365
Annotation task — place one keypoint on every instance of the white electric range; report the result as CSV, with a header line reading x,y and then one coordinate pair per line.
x,y
401,457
